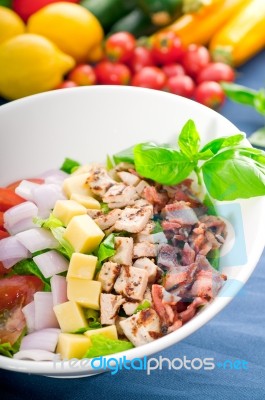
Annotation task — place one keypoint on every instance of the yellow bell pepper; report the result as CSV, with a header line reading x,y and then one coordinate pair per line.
x,y
242,37
200,27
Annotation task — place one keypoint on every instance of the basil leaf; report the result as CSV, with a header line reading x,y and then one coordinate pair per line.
x,y
189,139
124,156
29,267
239,94
235,173
157,228
217,144
68,165
163,165
109,163
259,102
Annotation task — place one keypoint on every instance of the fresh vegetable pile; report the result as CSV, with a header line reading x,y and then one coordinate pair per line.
x,y
96,259
162,63
174,31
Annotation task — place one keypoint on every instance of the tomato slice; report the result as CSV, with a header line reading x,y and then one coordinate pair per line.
x,y
3,234
1,220
15,292
3,270
9,199
14,185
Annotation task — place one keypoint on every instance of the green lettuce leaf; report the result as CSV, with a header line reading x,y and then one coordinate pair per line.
x,y
65,247
29,267
143,306
106,248
69,165
49,223
102,346
8,350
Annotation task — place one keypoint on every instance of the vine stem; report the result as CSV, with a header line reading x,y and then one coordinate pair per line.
x,y
197,170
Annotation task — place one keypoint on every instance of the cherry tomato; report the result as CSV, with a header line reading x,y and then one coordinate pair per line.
x,y
9,199
108,73
210,94
25,8
150,77
167,48
67,84
15,292
3,234
216,72
181,85
173,70
141,58
14,185
83,75
195,58
119,47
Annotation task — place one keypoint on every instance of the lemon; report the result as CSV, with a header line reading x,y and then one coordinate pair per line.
x,y
31,64
10,24
71,27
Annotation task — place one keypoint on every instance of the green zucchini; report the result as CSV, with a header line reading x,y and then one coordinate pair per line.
x,y
137,23
163,12
6,3
109,11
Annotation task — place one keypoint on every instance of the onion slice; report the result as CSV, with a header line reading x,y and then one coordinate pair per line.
x,y
59,289
37,239
35,355
45,197
45,339
51,263
29,314
44,314
11,248
25,188
20,218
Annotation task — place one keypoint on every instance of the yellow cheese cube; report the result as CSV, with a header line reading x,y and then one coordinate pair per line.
x,y
82,266
77,184
84,292
65,210
108,331
72,345
70,316
83,234
86,201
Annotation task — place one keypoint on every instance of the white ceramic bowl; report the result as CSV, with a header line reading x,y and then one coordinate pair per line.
x,y
38,132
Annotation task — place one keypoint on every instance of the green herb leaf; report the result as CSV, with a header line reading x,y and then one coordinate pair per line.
x,y
106,248
29,267
239,94
104,208
48,223
91,326
103,346
235,173
124,156
259,102
214,258
214,146
163,165
65,247
143,306
109,163
189,139
158,228
91,315
69,165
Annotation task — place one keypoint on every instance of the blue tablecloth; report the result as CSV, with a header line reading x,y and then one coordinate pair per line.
x,y
238,332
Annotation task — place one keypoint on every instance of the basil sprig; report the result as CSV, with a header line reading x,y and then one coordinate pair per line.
x,y
228,169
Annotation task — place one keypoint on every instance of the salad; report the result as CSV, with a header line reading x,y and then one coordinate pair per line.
x,y
100,258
